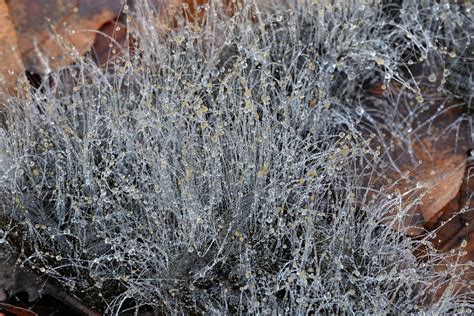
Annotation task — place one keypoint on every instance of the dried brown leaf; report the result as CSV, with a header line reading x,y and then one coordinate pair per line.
x,y
432,185
442,179
46,29
11,67
109,43
15,310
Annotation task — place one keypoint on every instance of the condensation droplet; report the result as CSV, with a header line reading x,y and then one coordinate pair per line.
x,y
432,78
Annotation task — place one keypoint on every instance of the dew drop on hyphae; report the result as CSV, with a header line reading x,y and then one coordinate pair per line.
x,y
432,78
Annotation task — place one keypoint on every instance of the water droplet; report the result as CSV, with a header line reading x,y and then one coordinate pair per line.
x,y
360,110
351,75
215,72
432,78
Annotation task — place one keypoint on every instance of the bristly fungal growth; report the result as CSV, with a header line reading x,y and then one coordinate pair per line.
x,y
236,166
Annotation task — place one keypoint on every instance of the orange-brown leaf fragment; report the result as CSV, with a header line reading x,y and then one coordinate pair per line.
x,y
432,185
15,310
109,42
11,67
442,179
48,30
